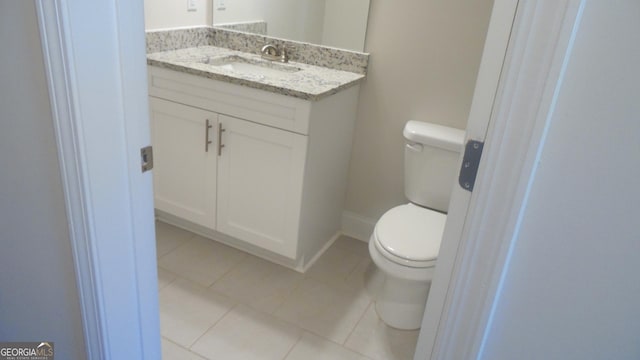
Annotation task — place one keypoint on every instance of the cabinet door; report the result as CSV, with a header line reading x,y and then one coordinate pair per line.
x,y
260,175
184,167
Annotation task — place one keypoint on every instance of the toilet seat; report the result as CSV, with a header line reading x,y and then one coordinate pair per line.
x,y
410,235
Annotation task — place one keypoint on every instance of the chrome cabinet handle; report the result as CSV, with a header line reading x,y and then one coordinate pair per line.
x,y
220,145
206,136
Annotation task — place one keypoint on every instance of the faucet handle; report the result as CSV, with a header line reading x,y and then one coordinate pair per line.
x,y
284,55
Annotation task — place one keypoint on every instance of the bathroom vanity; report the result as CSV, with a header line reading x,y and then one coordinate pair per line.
x,y
254,158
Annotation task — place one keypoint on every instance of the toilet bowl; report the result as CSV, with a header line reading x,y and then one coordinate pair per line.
x,y
404,247
406,240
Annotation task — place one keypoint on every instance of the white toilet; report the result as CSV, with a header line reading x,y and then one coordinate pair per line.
x,y
406,240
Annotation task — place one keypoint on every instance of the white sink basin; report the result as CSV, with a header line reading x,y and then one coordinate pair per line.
x,y
247,66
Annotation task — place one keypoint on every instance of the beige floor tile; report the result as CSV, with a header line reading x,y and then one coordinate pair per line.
x,y
335,265
324,310
171,351
355,280
201,260
312,347
378,341
188,310
165,278
329,302
245,333
258,283
352,245
169,237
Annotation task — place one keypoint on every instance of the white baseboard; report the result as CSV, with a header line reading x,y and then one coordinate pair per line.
x,y
357,226
306,265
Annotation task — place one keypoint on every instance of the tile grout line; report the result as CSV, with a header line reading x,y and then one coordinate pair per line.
x,y
298,284
211,327
182,347
358,323
175,277
294,344
328,340
182,243
184,278
273,314
231,268
360,260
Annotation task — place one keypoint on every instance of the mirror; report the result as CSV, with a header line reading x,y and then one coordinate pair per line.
x,y
336,23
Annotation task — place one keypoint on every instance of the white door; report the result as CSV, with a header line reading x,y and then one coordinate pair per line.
x,y
260,174
522,69
184,144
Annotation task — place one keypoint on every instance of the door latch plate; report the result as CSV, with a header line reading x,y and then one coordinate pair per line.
x,y
146,158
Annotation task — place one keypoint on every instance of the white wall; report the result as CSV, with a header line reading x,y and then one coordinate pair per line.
x,y
161,14
300,20
424,60
241,10
345,23
308,20
572,289
38,294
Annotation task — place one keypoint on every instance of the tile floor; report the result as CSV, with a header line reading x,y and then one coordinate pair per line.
x,y
217,302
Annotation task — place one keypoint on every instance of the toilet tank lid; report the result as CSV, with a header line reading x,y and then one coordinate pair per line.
x,y
440,136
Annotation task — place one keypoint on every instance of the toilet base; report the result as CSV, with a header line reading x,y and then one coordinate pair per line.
x,y
400,303
373,280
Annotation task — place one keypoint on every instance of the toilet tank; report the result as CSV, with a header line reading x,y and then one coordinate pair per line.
x,y
431,155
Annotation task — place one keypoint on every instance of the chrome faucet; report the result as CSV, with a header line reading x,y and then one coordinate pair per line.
x,y
270,52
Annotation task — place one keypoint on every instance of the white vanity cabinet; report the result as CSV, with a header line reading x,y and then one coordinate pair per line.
x,y
184,176
261,171
260,174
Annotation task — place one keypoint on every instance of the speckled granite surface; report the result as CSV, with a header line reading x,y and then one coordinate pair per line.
x,y
163,40
338,59
253,27
295,79
311,54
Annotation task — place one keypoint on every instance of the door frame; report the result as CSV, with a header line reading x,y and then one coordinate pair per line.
x,y
95,64
513,106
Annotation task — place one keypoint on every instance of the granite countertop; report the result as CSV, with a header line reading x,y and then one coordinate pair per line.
x,y
308,83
